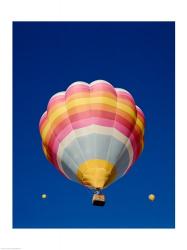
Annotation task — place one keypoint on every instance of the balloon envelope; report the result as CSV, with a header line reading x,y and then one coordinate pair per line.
x,y
92,133
151,197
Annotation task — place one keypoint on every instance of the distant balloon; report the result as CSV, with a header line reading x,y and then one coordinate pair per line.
x,y
151,197
92,133
44,196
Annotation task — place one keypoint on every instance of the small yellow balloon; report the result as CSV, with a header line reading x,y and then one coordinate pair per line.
x,y
151,197
44,196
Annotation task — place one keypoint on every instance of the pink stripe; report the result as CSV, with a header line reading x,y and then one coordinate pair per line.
x,y
68,126
42,120
76,89
134,137
137,144
75,123
84,123
125,96
90,88
101,86
56,100
137,152
140,113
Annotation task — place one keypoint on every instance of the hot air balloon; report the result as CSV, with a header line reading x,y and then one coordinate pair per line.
x,y
92,133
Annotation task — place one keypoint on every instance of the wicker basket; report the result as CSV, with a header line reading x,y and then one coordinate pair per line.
x,y
98,200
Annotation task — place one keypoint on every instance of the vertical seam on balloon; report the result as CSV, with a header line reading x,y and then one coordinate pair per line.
x,y
141,139
91,108
59,160
56,156
107,155
71,169
48,122
126,144
78,144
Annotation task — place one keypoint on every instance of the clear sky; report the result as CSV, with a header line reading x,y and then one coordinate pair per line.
x,y
139,57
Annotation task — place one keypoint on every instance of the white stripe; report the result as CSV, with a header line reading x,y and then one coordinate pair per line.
x,y
90,130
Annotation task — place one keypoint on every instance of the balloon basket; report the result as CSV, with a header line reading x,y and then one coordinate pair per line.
x,y
98,200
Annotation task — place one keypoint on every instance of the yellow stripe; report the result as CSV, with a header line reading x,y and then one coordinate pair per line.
x,y
95,100
100,100
140,124
45,152
51,118
53,107
96,173
142,142
61,110
91,100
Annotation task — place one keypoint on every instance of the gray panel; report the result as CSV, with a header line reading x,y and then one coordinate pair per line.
x,y
107,148
122,163
87,145
79,150
69,166
114,150
102,144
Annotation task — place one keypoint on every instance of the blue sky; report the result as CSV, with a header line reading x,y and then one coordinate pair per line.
x,y
137,56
